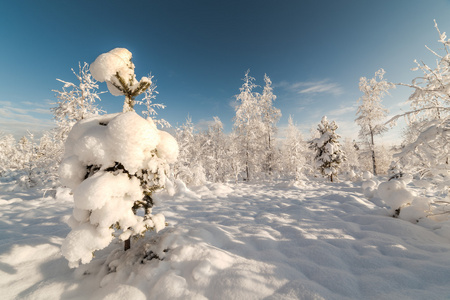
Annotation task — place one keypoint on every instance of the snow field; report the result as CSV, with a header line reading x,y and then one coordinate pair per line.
x,y
314,240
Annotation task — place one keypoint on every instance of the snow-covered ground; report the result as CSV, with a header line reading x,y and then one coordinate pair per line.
x,y
315,240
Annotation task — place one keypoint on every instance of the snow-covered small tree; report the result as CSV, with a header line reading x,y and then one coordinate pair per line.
x,y
189,167
328,153
270,116
371,112
8,153
113,164
234,156
351,165
214,151
293,151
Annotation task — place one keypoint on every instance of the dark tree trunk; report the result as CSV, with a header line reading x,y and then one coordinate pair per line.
x,y
127,244
373,152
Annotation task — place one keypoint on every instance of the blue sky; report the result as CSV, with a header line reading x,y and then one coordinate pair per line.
x,y
198,51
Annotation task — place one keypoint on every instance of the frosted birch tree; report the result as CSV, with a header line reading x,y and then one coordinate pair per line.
x,y
75,101
371,112
427,152
270,117
249,127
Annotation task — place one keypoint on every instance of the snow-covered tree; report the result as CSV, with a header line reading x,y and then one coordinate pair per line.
x,y
75,102
113,164
293,151
8,153
215,152
328,153
427,150
270,116
147,101
351,165
234,156
189,167
371,112
249,128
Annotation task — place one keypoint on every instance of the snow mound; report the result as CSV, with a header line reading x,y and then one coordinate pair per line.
x,y
395,194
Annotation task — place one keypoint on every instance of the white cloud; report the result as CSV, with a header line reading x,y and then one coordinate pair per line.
x,y
203,124
312,87
233,103
17,119
321,87
343,110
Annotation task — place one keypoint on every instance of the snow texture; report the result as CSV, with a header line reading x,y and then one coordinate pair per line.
x,y
232,241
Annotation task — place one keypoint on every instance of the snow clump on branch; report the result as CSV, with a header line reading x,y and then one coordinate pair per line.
x,y
117,70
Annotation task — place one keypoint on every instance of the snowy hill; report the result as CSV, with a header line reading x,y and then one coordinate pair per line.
x,y
235,241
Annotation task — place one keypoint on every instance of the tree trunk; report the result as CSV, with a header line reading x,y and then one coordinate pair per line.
x,y
373,153
128,104
247,169
127,244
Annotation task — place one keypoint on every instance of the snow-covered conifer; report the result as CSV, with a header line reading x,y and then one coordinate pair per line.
x,y
328,153
113,163
371,112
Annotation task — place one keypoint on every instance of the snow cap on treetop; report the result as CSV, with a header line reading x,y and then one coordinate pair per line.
x,y
108,64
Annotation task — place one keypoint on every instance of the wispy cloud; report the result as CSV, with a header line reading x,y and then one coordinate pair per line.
x,y
312,87
343,110
18,118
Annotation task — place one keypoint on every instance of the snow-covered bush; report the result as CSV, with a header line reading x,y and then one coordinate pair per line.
x,y
395,194
404,203
113,163
328,153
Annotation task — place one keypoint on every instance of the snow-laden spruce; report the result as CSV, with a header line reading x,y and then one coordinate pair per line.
x,y
113,163
328,153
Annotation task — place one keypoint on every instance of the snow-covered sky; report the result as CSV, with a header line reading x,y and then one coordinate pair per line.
x,y
198,51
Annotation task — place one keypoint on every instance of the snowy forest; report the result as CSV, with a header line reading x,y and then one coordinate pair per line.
x,y
105,174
